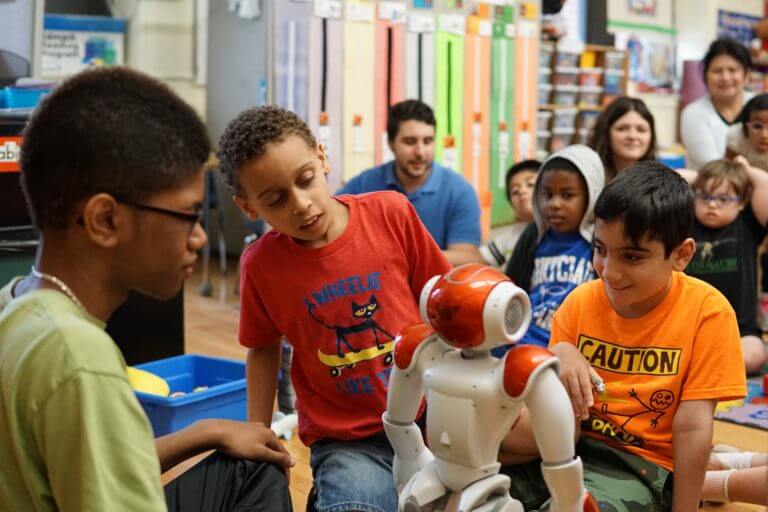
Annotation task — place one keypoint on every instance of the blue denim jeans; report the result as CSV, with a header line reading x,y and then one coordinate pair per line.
x,y
354,475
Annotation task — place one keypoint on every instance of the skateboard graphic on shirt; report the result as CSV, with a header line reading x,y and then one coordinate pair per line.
x,y
350,359
363,314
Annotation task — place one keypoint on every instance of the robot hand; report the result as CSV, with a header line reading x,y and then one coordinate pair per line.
x,y
404,470
411,454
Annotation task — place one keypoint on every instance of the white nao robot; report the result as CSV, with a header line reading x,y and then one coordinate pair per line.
x,y
473,400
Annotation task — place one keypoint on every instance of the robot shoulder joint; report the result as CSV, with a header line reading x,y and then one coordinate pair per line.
x,y
521,363
408,341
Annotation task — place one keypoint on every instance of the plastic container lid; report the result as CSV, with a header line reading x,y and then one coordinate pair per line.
x,y
542,134
566,88
591,71
563,131
567,111
545,87
566,69
544,113
545,71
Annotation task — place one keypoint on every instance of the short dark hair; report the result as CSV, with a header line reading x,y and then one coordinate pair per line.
x,y
726,46
651,200
601,134
246,137
525,165
107,130
406,111
559,164
759,102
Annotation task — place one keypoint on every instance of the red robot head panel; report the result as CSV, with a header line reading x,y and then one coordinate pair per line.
x,y
456,301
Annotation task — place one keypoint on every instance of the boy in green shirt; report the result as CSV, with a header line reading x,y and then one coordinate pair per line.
x,y
112,170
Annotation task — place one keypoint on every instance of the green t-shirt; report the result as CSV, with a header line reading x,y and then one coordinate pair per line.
x,y
72,434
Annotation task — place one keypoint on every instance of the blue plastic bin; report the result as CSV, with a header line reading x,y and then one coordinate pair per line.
x,y
24,97
672,160
224,398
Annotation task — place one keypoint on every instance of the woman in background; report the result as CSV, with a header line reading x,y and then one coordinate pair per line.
x,y
704,123
623,135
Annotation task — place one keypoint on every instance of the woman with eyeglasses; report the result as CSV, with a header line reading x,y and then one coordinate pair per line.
x,y
704,123
750,137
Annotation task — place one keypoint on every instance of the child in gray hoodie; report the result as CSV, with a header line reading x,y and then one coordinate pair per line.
x,y
554,253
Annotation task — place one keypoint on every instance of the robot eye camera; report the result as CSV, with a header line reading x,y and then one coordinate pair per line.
x,y
475,307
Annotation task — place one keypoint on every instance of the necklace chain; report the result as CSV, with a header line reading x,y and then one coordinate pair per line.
x,y
60,284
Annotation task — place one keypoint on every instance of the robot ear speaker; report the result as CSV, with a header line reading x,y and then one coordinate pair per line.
x,y
514,316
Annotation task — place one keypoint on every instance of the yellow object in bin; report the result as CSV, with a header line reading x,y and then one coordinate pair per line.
x,y
147,382
588,59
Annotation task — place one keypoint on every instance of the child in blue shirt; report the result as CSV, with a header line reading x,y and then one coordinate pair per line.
x,y
553,255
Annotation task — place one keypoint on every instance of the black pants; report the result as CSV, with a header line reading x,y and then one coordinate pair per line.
x,y
220,483
764,266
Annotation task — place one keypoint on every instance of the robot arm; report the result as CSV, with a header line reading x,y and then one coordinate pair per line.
x,y
531,374
403,401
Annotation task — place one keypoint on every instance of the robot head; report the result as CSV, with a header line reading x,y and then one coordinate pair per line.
x,y
475,307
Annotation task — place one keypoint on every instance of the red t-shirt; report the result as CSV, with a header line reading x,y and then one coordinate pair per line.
x,y
340,306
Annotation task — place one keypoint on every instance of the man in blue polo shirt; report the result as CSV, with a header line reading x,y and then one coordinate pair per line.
x,y
446,203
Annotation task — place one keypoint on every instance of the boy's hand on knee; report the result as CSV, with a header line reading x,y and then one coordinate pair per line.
x,y
251,441
575,374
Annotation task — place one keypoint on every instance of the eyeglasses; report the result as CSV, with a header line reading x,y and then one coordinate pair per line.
x,y
720,200
757,126
193,217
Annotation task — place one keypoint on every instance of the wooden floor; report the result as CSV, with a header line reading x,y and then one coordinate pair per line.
x,y
211,329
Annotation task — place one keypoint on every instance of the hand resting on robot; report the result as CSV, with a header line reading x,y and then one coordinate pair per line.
x,y
577,376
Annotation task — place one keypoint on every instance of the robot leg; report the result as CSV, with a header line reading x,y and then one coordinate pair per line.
x,y
566,485
421,491
501,504
489,495
554,427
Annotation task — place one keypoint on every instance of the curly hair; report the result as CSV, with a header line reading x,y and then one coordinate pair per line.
x,y
107,130
246,137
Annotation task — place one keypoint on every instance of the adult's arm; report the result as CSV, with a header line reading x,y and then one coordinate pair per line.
x,y
459,254
463,227
700,142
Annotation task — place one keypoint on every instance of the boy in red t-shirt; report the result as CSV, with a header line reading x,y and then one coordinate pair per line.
x,y
338,278
664,345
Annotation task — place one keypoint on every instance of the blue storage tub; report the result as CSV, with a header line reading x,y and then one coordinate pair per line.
x,y
24,97
225,397
672,160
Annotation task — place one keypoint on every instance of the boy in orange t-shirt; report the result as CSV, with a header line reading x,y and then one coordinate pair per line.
x,y
665,345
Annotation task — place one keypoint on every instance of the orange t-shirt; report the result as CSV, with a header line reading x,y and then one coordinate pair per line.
x,y
687,348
